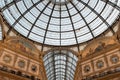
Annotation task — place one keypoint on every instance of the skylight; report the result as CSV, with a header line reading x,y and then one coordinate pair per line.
x,y
60,22
60,65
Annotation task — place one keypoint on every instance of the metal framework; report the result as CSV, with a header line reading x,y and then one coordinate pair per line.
x,y
60,65
60,22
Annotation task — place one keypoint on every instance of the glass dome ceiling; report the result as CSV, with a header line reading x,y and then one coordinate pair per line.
x,y
60,22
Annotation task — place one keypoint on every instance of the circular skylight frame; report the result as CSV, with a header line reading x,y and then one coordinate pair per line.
x,y
52,33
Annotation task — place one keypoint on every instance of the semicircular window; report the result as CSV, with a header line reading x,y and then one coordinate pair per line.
x,y
60,65
60,22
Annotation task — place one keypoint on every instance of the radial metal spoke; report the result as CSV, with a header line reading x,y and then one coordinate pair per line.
x,y
73,27
38,18
83,20
98,14
22,15
112,4
48,26
10,4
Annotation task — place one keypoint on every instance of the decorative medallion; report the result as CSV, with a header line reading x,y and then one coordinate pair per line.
x,y
86,68
7,58
100,64
114,59
21,64
34,68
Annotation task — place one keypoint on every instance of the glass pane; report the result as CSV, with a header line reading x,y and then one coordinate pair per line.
x,y
62,64
60,22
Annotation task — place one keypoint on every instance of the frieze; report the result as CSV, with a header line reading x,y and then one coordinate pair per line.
x,y
98,45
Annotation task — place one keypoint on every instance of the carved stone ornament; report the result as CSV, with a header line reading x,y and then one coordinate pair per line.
x,y
100,64
86,68
34,68
114,59
7,58
21,64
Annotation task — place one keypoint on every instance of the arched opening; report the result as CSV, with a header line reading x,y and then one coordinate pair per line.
x,y
60,65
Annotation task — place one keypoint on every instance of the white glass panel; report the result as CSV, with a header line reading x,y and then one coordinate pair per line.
x,y
69,21
38,31
30,17
85,37
99,8
2,3
67,35
35,12
21,30
9,17
15,12
106,11
25,23
82,31
28,3
52,41
113,16
68,41
36,37
21,6
100,29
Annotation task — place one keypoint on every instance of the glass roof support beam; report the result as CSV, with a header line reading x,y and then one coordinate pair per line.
x,y
10,4
63,63
56,68
49,66
50,77
22,15
66,67
112,30
83,19
98,15
48,26
73,27
60,24
112,4
38,18
92,17
54,64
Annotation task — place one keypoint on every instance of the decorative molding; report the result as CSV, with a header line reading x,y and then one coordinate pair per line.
x,y
20,55
87,68
7,58
98,45
114,59
21,63
100,64
105,56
